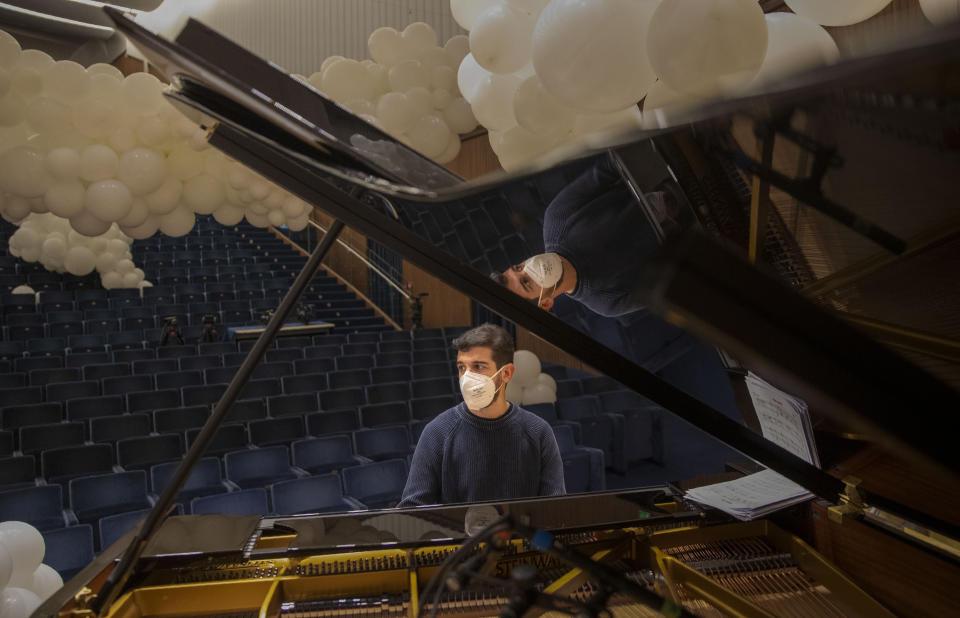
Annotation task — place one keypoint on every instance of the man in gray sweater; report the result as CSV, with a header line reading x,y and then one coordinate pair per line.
x,y
485,448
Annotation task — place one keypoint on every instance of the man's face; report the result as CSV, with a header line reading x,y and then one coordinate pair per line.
x,y
478,360
520,283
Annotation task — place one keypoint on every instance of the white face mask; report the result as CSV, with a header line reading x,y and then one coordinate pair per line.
x,y
478,390
545,269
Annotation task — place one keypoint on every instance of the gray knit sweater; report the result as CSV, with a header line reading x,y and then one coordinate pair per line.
x,y
464,458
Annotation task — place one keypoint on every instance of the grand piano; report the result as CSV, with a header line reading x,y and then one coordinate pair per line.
x,y
864,546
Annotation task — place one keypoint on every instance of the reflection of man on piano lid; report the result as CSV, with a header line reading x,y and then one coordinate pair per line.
x,y
597,241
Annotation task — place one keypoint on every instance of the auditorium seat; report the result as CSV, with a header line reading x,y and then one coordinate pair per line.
x,y
330,422
316,494
112,527
143,452
245,502
392,359
6,443
42,377
642,422
205,479
395,373
568,388
348,378
68,550
200,363
113,428
257,389
425,408
16,472
342,398
325,454
346,363
93,497
176,351
142,401
376,485
214,348
434,387
313,366
61,464
260,467
391,413
277,430
246,410
22,396
298,404
101,372
15,417
128,356
40,506
284,355
379,443
36,438
89,407
155,366
384,393
176,379
322,351
599,430
65,391
228,437
179,419
428,371
31,363
200,395
583,467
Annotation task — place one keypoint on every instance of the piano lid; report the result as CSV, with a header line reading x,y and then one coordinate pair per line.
x,y
606,213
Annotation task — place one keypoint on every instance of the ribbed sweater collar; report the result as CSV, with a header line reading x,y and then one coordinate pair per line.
x,y
487,424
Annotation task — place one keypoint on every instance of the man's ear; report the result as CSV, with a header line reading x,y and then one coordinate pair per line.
x,y
507,372
546,303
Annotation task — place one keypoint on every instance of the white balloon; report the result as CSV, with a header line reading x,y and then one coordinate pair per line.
x,y
444,78
112,280
18,602
98,162
35,60
440,99
299,223
184,163
276,218
514,392
622,120
408,74
55,247
142,92
731,40
831,13
940,11
9,53
152,130
203,194
457,47
23,172
142,170
26,548
794,44
429,135
492,103
45,115
12,110
346,80
66,81
102,68
538,393
227,214
97,116
517,146
139,211
451,151
64,163
65,199
590,71
395,112
547,380
538,111
500,38
46,581
419,36
16,208
459,116
387,47
6,561
293,206
108,200
662,96
465,12
145,230
165,198
80,261
470,77
88,225
177,223
256,220
527,367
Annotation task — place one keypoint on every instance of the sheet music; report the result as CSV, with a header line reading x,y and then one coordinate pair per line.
x,y
751,496
784,419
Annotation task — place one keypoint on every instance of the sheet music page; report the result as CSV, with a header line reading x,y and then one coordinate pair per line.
x,y
751,496
781,418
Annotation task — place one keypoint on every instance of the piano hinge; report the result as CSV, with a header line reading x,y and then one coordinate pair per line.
x,y
851,502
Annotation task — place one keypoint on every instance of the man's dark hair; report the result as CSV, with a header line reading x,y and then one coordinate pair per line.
x,y
499,277
487,336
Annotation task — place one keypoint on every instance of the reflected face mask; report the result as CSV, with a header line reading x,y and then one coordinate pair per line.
x,y
545,269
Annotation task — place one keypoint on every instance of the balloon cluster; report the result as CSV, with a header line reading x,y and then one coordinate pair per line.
x,y
25,582
50,240
408,89
543,74
529,385
97,148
